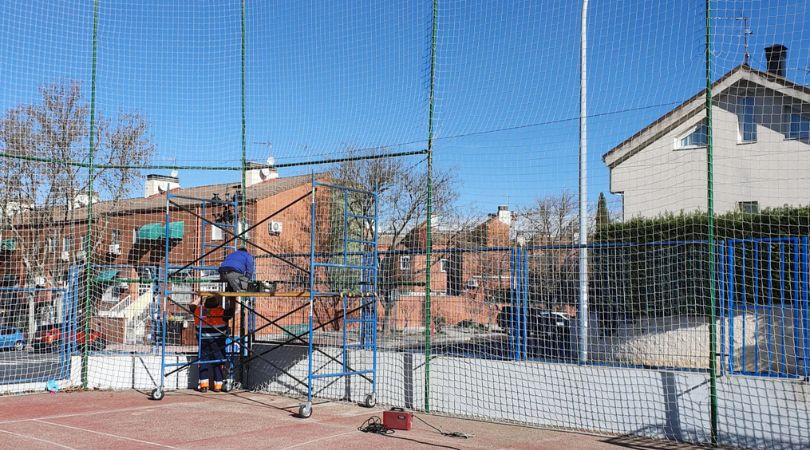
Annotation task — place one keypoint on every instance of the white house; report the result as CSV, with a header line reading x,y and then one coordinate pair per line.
x,y
761,135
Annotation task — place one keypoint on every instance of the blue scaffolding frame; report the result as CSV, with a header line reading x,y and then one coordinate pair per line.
x,y
165,277
365,292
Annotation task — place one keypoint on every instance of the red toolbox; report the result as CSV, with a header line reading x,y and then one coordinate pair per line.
x,y
397,419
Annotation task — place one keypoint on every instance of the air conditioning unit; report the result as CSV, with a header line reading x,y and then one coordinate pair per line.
x,y
80,254
114,249
472,283
65,256
275,228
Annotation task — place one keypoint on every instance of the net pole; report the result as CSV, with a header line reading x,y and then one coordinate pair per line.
x,y
87,244
243,187
429,208
583,187
710,212
243,206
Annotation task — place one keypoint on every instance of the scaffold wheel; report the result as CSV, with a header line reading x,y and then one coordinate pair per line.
x,y
370,401
305,410
157,394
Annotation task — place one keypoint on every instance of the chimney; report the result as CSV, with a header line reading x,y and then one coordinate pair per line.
x,y
159,184
504,215
776,55
259,174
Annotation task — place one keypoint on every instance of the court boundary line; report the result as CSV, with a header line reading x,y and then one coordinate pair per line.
x,y
25,436
102,433
94,413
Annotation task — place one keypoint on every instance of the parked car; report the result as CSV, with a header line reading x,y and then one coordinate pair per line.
x,y
49,337
11,338
548,333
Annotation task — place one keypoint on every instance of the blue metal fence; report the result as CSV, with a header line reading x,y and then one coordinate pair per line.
x,y
763,290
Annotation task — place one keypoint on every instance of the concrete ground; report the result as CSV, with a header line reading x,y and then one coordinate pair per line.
x,y
244,420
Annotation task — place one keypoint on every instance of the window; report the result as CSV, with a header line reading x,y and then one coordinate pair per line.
x,y
444,265
750,207
699,137
405,262
748,127
799,127
67,242
116,237
50,245
216,233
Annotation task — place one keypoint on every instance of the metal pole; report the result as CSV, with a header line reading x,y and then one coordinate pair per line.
x,y
429,222
243,206
710,214
87,245
583,187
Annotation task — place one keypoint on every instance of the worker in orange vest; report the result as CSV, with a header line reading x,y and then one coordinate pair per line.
x,y
211,322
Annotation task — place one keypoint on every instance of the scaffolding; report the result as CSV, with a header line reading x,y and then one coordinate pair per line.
x,y
343,268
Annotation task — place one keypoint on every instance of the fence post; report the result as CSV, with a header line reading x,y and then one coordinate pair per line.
x,y
805,319
583,187
710,217
88,251
429,208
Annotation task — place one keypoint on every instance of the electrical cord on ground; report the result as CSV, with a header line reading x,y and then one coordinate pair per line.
x,y
456,434
374,425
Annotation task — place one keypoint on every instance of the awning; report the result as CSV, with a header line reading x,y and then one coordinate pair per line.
x,y
106,276
8,245
155,231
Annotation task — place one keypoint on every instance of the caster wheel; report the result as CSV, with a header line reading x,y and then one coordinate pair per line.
x,y
157,394
305,410
227,386
370,401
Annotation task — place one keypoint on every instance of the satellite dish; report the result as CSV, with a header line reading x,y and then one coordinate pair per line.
x,y
271,160
173,174
161,189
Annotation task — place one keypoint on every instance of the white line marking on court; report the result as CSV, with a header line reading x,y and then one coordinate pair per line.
x,y
316,440
115,436
37,439
94,413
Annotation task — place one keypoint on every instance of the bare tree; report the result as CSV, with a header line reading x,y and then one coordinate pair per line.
x,y
44,180
550,222
401,186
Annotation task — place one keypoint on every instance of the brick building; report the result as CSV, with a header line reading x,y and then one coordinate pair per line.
x,y
128,245
470,270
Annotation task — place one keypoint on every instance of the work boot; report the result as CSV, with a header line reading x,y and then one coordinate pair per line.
x,y
202,386
217,386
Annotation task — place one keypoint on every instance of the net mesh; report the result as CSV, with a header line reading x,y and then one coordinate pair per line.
x,y
439,142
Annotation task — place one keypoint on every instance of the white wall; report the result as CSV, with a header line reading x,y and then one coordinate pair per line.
x,y
753,412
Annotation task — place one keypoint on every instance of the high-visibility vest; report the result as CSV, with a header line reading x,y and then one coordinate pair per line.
x,y
210,317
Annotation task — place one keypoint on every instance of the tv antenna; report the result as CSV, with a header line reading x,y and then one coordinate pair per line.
x,y
746,32
270,159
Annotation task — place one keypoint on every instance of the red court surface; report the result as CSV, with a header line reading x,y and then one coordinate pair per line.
x,y
242,420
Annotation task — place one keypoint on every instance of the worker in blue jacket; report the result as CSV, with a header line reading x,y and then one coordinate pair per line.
x,y
236,270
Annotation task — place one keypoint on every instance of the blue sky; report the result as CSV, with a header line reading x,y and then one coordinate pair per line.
x,y
324,76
